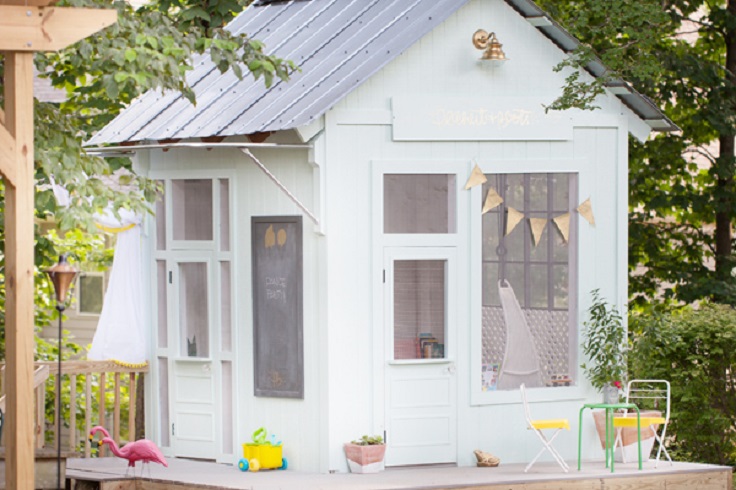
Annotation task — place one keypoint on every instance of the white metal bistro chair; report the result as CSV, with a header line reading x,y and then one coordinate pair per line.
x,y
539,425
646,394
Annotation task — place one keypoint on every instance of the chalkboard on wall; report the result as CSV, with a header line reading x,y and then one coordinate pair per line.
x,y
277,306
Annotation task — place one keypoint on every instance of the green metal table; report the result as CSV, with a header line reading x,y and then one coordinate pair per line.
x,y
609,408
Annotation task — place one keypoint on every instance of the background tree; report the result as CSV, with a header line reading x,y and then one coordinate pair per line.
x,y
682,54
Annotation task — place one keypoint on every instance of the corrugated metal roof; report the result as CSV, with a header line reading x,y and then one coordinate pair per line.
x,y
338,44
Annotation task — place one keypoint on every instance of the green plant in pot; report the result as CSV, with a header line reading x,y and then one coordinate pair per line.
x,y
366,454
605,347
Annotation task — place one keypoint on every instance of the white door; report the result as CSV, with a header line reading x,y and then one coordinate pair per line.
x,y
421,387
193,423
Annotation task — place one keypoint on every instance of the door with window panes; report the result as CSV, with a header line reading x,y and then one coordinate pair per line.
x,y
420,318
194,341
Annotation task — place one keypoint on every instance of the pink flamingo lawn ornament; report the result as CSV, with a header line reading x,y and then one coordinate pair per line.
x,y
97,429
141,450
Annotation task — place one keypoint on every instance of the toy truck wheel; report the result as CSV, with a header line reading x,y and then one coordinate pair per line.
x,y
254,465
284,464
243,464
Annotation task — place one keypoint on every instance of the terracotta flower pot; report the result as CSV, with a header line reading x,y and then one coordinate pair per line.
x,y
365,459
628,436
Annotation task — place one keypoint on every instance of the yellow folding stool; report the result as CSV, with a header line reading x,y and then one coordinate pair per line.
x,y
540,425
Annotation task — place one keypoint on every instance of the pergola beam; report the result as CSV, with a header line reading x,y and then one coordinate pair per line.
x,y
27,28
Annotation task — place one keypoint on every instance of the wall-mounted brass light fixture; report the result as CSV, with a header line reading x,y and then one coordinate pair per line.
x,y
488,42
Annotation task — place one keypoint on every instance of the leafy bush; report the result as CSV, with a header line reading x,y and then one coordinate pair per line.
x,y
695,349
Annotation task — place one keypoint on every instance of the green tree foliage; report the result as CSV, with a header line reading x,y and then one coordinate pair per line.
x,y
682,54
696,351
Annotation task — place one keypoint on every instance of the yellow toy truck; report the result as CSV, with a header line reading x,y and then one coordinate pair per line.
x,y
262,454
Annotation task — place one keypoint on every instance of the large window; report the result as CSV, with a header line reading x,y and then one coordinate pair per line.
x,y
529,282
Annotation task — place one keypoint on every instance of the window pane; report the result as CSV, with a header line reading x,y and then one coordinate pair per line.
x,y
163,324
91,292
538,287
160,223
514,191
490,235
193,312
513,244
537,195
419,309
419,203
192,202
560,286
225,307
224,215
561,192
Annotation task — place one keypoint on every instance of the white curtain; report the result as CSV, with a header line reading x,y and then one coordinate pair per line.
x,y
120,334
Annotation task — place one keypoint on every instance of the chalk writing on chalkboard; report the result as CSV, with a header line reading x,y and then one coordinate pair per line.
x,y
276,289
277,306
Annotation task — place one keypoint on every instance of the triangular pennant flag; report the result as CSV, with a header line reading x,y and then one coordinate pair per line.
x,y
492,200
586,211
537,225
512,219
476,177
563,224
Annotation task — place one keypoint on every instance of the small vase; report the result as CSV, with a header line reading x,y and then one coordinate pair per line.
x,y
610,394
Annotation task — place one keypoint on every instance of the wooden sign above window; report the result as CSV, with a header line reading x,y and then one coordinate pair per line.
x,y
476,119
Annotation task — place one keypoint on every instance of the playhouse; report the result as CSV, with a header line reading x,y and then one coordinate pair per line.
x,y
390,243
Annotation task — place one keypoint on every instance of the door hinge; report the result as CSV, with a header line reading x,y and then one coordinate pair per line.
x,y
384,276
385,439
171,277
173,431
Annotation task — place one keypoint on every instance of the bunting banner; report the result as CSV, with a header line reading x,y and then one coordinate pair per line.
x,y
537,225
492,200
586,211
563,224
513,218
476,178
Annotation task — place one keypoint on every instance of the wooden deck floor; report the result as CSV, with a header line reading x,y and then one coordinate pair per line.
x,y
182,474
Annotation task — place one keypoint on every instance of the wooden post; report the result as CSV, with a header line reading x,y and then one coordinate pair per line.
x,y
24,29
19,206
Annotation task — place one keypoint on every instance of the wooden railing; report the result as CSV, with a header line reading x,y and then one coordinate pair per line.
x,y
93,395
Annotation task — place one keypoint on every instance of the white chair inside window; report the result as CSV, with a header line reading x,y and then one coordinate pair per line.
x,y
538,426
646,394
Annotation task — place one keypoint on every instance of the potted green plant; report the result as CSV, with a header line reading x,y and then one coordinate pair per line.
x,y
366,454
605,347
